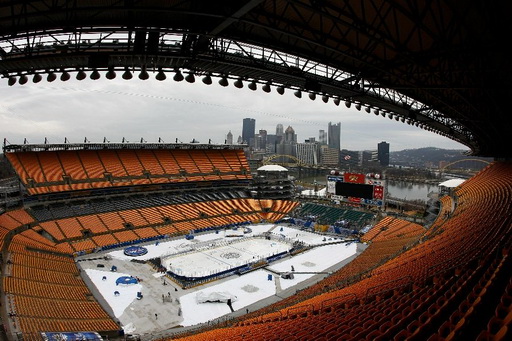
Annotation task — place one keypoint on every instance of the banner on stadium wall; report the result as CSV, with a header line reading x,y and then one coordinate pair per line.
x,y
374,182
331,187
354,178
71,336
378,192
331,183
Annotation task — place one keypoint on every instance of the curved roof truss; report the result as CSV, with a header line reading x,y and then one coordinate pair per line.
x,y
433,64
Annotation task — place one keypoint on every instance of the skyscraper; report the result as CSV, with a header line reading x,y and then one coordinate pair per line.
x,y
229,138
287,144
383,153
279,130
322,137
308,152
289,135
334,135
261,140
248,130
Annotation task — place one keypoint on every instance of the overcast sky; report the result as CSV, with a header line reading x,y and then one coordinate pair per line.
x,y
151,110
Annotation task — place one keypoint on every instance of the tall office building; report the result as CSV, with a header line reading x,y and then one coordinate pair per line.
x,y
287,144
334,135
289,135
229,138
261,140
279,130
308,152
329,156
322,137
383,153
248,131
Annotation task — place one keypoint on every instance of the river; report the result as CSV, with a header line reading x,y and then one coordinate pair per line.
x,y
396,189
409,191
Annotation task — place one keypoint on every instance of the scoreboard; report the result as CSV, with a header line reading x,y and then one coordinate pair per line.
x,y
367,189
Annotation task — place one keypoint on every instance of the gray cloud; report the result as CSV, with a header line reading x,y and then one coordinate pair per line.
x,y
170,110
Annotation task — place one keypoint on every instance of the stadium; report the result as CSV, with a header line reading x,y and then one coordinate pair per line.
x,y
174,241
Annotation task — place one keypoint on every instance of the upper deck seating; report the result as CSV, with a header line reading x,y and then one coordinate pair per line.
x,y
68,170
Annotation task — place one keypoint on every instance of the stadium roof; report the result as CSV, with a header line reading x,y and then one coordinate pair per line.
x,y
11,148
452,183
439,65
272,168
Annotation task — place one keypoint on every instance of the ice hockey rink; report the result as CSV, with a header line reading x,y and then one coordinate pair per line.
x,y
165,304
226,255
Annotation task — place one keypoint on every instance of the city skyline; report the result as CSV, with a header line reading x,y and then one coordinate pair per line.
x,y
132,110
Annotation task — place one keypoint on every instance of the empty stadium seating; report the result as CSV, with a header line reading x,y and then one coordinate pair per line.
x,y
43,283
44,288
450,282
449,285
68,170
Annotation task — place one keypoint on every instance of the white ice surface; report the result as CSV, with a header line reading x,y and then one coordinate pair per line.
x,y
207,262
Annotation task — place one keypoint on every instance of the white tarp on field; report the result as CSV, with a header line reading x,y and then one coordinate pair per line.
x,y
203,297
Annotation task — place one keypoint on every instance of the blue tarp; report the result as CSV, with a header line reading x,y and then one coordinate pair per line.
x,y
126,280
71,336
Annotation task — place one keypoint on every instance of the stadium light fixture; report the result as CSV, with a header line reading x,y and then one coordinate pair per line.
x,y
81,75
376,112
266,87
368,109
127,74
312,96
11,81
207,79
337,101
348,104
178,77
143,75
390,115
298,94
64,76
238,83
383,113
252,85
190,78
358,106
23,79
95,75
160,76
280,90
111,74
325,98
51,76
37,78
223,81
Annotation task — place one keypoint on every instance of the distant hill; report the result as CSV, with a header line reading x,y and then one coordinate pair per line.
x,y
431,157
